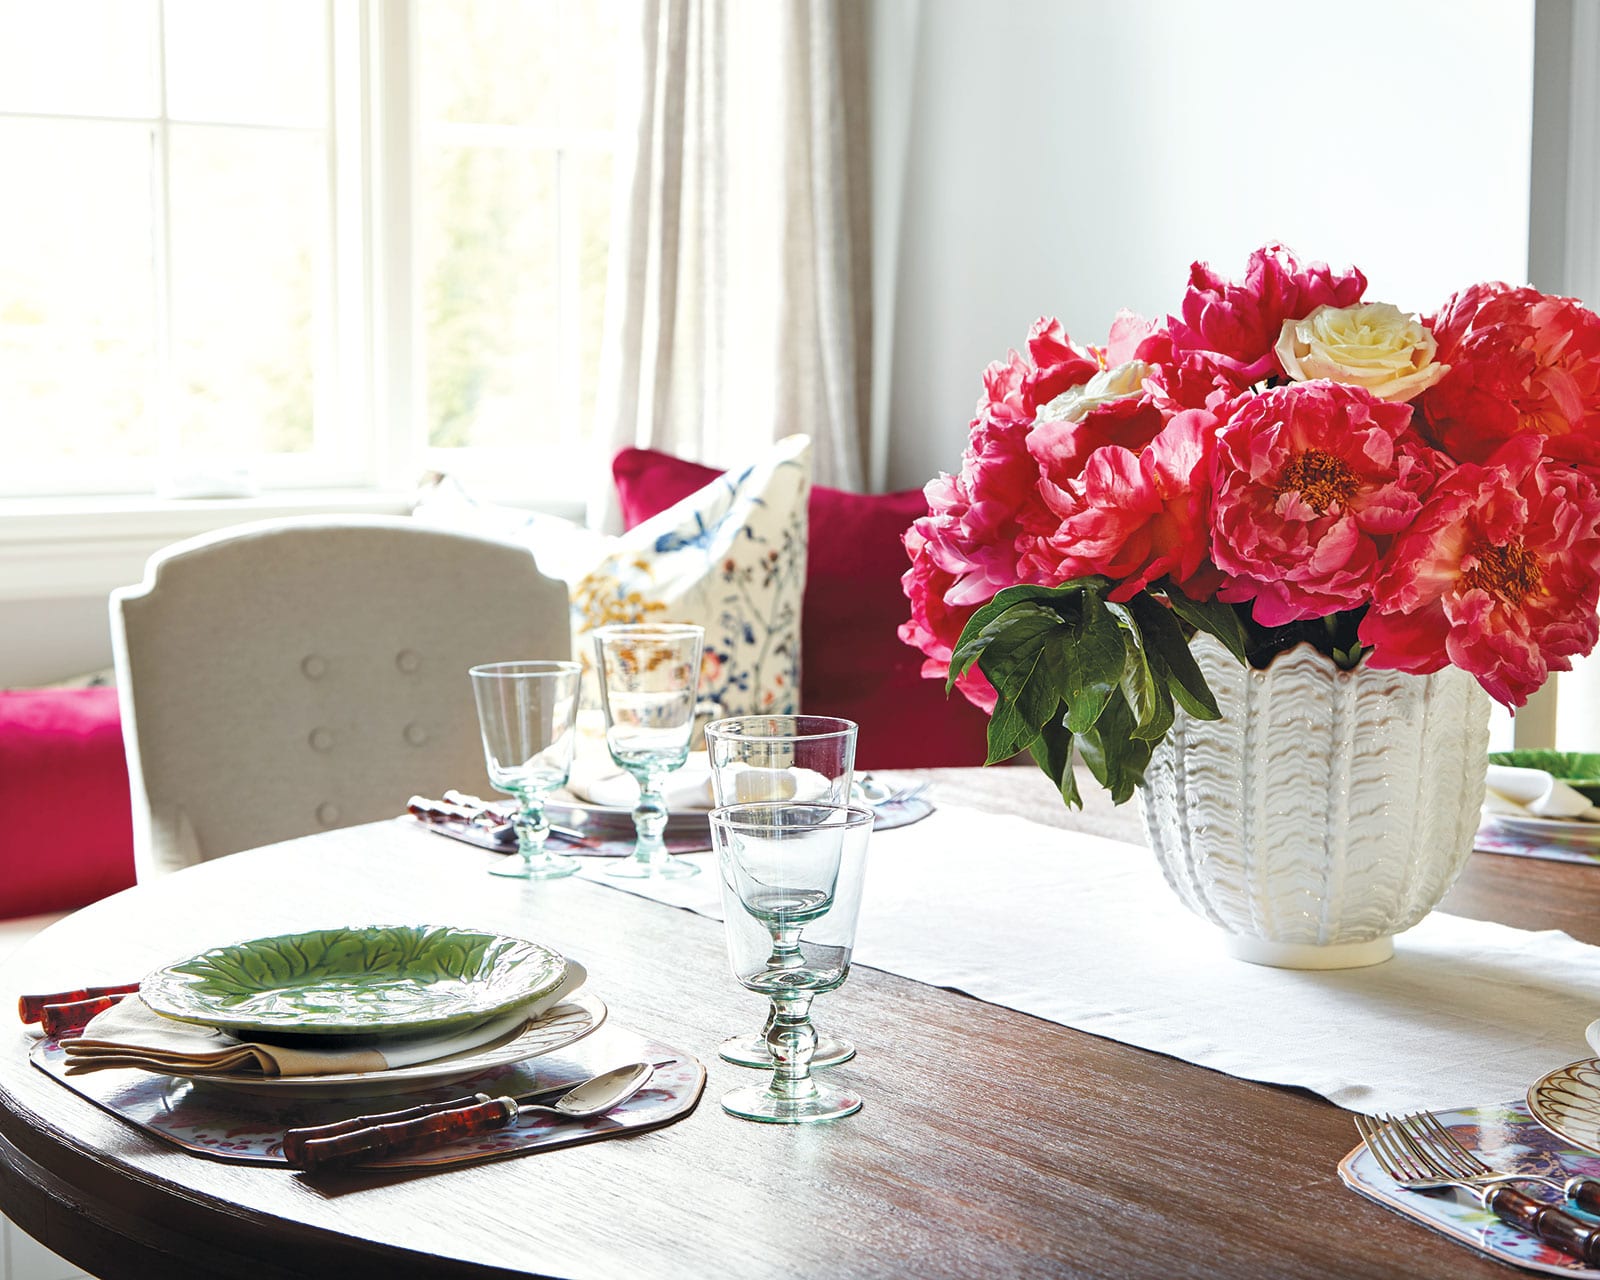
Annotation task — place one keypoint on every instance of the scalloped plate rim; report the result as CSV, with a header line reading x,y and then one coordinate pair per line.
x,y
1543,1114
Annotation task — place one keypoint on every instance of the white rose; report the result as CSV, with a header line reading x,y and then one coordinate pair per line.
x,y
1375,345
1109,384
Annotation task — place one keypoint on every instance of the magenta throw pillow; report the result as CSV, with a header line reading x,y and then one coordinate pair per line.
x,y
66,838
852,662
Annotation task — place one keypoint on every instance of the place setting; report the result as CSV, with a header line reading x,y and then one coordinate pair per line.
x,y
1543,804
642,794
233,1052
1519,1181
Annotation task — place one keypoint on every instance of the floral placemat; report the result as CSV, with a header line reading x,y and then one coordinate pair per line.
x,y
1492,838
691,838
1506,1137
247,1128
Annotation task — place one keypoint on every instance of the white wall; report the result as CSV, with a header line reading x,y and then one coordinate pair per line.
x,y
1071,157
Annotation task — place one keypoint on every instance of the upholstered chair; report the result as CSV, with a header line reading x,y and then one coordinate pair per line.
x,y
291,676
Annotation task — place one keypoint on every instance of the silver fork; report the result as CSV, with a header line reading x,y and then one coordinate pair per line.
x,y
1405,1157
1443,1151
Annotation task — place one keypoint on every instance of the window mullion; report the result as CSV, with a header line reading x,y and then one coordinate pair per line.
x,y
398,377
167,435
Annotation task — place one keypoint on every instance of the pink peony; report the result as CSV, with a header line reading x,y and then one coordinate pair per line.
x,y
935,624
1135,516
1061,448
1520,363
1015,388
1312,482
1499,575
1234,325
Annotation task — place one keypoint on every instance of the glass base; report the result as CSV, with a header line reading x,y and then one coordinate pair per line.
x,y
672,869
751,1051
751,1103
550,867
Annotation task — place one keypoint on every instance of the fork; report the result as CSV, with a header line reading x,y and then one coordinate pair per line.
x,y
1399,1152
1442,1150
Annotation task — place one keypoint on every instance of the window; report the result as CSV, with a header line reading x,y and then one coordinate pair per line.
x,y
299,243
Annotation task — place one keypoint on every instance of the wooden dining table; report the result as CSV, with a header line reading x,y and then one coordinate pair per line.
x,y
992,1143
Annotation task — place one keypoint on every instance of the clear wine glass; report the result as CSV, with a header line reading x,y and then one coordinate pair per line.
x,y
526,713
648,677
775,759
791,893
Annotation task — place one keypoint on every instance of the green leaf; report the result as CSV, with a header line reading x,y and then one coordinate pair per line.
x,y
971,641
1098,659
1001,628
1144,687
1165,643
1009,733
1115,757
1021,635
1211,616
1052,752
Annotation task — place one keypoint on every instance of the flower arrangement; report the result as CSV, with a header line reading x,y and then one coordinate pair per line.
x,y
1282,462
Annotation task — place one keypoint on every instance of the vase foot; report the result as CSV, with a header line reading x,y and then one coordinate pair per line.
x,y
1304,955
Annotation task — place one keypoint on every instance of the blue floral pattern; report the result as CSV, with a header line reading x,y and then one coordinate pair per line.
x,y
731,557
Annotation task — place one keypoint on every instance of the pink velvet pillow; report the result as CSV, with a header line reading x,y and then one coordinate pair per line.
x,y
66,836
852,662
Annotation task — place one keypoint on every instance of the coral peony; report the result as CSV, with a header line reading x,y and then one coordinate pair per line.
x,y
1312,482
935,624
1520,363
1016,387
1135,516
1234,324
1499,575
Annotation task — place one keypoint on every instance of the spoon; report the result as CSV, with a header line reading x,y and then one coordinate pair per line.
x,y
592,1097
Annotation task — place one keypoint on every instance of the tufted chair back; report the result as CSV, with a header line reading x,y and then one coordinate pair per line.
x,y
291,676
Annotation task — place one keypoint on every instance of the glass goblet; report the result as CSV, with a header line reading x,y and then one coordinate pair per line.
x,y
526,713
648,677
791,894
780,758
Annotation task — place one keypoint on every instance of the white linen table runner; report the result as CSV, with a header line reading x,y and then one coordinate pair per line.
x,y
1082,931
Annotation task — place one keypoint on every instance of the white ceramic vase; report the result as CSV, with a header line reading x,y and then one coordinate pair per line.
x,y
1326,811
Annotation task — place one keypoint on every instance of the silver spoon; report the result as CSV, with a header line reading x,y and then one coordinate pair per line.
x,y
594,1096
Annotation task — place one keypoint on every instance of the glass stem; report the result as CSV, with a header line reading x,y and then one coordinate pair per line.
x,y
532,828
792,1041
650,821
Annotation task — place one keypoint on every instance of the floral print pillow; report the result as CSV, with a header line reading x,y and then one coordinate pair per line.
x,y
730,557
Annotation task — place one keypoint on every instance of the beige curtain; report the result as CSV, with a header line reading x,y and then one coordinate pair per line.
x,y
738,307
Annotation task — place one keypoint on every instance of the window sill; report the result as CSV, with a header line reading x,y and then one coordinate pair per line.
x,y
55,548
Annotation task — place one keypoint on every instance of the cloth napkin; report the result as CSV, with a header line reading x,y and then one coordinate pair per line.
x,y
131,1034
686,788
1534,791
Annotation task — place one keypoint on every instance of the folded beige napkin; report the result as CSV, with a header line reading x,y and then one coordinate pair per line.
x,y
131,1034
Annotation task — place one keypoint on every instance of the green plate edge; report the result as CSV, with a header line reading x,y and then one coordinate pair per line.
x,y
1580,770
442,976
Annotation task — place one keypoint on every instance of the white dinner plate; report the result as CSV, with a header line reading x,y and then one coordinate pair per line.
x,y
1565,830
1567,1101
571,1020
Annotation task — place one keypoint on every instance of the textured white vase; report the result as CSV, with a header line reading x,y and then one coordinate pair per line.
x,y
1326,811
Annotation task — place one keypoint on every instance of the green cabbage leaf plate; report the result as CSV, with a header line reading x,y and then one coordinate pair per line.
x,y
378,980
1580,770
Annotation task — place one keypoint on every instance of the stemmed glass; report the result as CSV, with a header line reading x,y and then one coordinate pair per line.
x,y
774,759
648,677
526,712
791,893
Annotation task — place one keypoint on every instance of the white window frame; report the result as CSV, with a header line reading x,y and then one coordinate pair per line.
x,y
370,411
